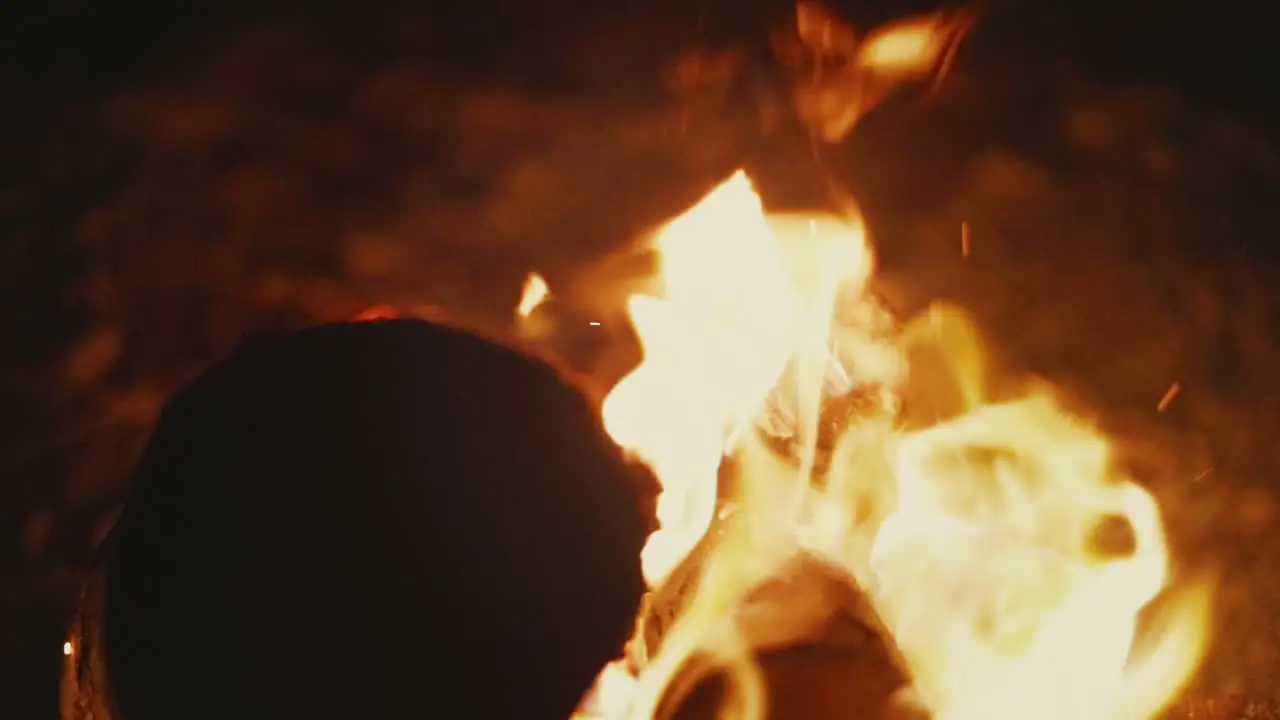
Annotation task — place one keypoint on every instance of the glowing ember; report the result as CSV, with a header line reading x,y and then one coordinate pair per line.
x,y
534,294
377,312
975,533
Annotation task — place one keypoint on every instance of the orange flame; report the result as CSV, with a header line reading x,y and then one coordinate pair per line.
x,y
831,101
979,551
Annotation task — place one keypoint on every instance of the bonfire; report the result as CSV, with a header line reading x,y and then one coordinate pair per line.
x,y
836,477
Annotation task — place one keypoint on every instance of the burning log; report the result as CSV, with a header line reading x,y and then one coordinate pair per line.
x,y
819,647
815,681
813,633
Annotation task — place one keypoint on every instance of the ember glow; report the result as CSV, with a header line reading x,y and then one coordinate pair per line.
x,y
375,313
973,530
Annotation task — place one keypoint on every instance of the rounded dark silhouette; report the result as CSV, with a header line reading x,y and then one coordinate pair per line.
x,y
374,520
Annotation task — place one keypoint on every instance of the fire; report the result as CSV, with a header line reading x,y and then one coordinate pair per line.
x,y
839,75
534,294
740,322
975,527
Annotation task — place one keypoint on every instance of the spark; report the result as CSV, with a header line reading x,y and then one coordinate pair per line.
x,y
1169,395
964,238
66,648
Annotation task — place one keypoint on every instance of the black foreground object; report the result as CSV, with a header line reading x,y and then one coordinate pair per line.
x,y
372,520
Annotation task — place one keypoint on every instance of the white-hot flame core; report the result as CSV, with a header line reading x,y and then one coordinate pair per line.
x,y
974,534
677,409
1021,616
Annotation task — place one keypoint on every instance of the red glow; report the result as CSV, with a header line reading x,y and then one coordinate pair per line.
x,y
376,312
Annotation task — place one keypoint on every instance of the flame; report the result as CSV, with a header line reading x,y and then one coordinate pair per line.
x,y
999,510
911,46
832,97
740,322
973,526
534,294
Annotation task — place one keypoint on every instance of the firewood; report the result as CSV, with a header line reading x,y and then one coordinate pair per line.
x,y
814,680
815,635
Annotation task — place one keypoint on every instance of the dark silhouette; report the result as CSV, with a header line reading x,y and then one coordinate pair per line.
x,y
372,520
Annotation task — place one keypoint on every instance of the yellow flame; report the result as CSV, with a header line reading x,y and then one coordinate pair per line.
x,y
1026,613
972,526
534,294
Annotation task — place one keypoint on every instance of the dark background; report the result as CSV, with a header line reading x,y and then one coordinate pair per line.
x,y
175,176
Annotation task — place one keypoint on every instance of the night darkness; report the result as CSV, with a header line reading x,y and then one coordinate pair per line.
x,y
177,176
